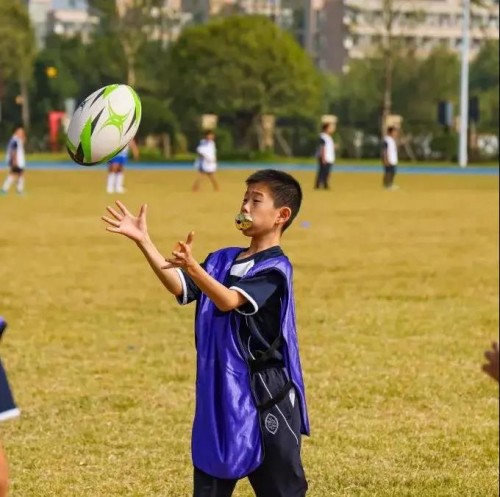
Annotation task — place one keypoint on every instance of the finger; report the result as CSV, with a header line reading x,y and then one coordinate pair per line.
x,y
178,255
190,238
112,222
113,230
489,355
124,210
115,214
143,211
184,246
487,369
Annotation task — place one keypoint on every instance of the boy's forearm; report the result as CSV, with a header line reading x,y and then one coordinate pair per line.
x,y
223,298
169,277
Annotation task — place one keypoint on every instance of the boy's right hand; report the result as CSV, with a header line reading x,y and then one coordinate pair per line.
x,y
125,223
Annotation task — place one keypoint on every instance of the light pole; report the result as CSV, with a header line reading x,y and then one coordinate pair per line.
x,y
464,88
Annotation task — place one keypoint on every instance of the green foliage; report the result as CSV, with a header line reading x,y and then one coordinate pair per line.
x,y
446,145
484,71
418,86
237,67
225,140
484,83
157,117
242,65
17,44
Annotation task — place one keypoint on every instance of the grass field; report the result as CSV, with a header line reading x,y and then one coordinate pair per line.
x,y
397,298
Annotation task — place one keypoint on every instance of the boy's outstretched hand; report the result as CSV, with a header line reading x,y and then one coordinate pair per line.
x,y
182,255
125,223
492,367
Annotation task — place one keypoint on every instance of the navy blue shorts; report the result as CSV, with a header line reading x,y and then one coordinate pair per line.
x,y
8,408
281,473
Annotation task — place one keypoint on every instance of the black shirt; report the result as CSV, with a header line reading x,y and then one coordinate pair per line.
x,y
261,315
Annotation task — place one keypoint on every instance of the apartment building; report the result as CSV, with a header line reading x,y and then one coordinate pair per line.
x,y
64,17
354,29
38,11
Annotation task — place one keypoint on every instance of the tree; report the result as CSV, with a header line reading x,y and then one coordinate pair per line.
x,y
138,21
484,71
484,83
245,67
17,49
391,46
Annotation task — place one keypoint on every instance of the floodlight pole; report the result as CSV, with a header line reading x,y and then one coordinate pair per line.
x,y
464,88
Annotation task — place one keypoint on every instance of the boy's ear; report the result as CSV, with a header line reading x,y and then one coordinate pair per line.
x,y
284,215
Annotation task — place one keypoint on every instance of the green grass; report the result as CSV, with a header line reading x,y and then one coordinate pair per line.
x,y
397,297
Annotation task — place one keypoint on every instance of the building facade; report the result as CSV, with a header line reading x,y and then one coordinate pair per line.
x,y
354,29
38,11
63,17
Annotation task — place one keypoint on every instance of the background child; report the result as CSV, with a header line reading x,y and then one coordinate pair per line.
x,y
206,161
116,167
16,160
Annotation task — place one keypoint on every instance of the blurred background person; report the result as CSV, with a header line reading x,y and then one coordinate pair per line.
x,y
390,158
16,161
116,166
206,161
326,157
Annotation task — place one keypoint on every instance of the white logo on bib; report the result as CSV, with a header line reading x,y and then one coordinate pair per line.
x,y
271,424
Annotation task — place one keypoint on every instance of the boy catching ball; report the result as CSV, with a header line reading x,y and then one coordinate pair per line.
x,y
250,400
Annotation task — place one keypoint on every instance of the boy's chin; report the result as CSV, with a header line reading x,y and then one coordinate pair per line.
x,y
248,232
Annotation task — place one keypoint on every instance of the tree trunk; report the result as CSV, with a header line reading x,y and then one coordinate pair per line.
x,y
130,55
388,61
387,106
25,104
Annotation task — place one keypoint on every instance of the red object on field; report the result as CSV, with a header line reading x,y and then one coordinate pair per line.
x,y
55,121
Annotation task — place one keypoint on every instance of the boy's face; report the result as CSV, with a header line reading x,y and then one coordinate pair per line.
x,y
258,203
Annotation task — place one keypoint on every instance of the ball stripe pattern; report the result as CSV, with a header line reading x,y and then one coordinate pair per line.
x,y
103,124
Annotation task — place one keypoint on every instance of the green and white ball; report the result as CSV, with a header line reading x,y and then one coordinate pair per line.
x,y
103,124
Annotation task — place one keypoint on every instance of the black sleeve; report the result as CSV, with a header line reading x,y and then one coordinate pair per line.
x,y
258,289
322,142
190,291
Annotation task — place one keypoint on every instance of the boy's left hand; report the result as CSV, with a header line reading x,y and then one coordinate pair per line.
x,y
182,255
492,368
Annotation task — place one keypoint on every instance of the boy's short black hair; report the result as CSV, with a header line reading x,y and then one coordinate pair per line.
x,y
285,190
325,126
208,132
391,129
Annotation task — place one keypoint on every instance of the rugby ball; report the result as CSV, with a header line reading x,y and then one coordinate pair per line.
x,y
103,124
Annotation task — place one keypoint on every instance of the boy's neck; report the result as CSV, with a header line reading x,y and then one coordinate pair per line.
x,y
259,244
